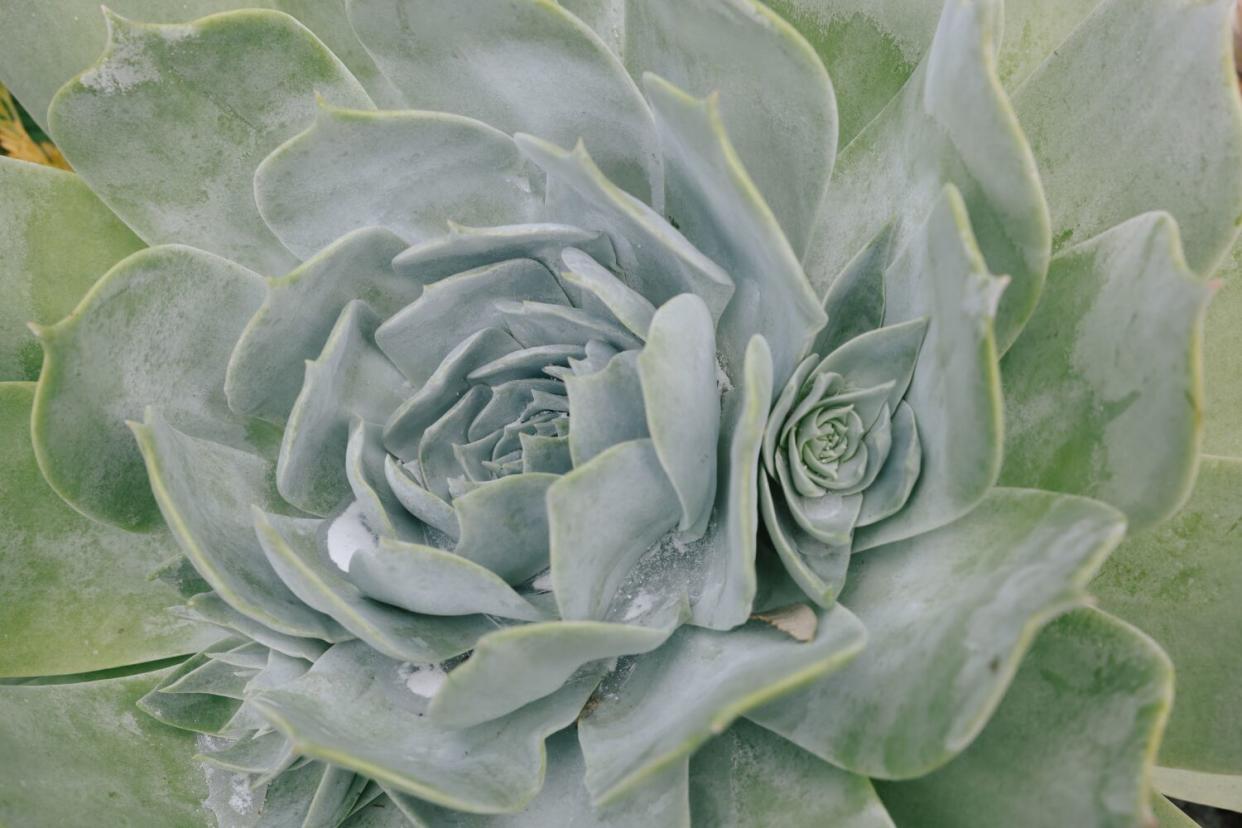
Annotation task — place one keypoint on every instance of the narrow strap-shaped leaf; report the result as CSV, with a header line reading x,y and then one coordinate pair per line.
x,y
466,248
187,177
196,712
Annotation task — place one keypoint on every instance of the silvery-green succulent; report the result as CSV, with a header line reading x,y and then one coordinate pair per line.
x,y
522,413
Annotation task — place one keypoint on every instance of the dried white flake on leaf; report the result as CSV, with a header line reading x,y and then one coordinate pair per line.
x,y
798,621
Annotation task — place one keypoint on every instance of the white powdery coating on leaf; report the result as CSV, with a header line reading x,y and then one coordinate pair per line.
x,y
127,65
230,797
348,535
422,679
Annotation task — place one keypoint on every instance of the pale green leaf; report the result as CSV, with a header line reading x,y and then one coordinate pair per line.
x,y
1180,582
127,769
1111,357
952,124
186,176
948,615
1165,132
41,277
76,595
1070,744
656,710
409,172
354,709
533,68
156,330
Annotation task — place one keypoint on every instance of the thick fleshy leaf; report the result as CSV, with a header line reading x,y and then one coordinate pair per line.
x,y
504,525
608,408
869,48
409,172
884,355
1181,582
748,777
212,609
199,713
952,124
419,337
187,176
292,546
41,277
444,389
658,709
376,505
654,256
533,68
715,202
1138,153
563,800
467,248
1070,744
892,486
265,370
354,709
948,615
205,490
432,581
775,97
1111,357
77,595
1222,363
51,734
351,378
629,307
727,570
602,517
955,393
677,368
817,568
419,502
512,667
854,302
34,73
156,330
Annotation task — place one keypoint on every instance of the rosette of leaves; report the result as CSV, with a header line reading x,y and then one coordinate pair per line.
x,y
526,413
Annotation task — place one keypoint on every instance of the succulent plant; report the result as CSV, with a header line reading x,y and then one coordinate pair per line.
x,y
504,412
